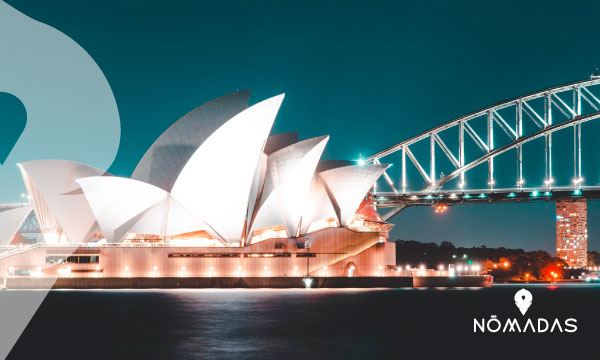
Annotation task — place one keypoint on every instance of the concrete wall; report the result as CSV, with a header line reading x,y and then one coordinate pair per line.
x,y
335,250
248,282
204,282
456,281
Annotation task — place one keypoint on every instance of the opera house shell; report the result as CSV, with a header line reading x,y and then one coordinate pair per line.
x,y
215,195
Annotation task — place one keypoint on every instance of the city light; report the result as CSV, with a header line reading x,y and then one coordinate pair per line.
x,y
211,271
38,272
182,272
64,271
351,271
440,208
154,272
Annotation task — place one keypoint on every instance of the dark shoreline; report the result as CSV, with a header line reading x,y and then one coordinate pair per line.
x,y
247,282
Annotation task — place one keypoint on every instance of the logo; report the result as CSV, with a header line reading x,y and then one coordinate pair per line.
x,y
69,113
523,300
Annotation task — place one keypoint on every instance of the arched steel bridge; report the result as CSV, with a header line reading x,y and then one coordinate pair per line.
x,y
538,108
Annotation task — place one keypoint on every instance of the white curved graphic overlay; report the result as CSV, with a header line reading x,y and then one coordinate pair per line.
x,y
71,114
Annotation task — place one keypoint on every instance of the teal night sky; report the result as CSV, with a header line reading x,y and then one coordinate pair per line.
x,y
369,74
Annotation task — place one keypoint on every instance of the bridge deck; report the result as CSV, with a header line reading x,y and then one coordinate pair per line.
x,y
455,197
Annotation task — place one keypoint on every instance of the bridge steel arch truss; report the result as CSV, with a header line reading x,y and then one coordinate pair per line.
x,y
553,100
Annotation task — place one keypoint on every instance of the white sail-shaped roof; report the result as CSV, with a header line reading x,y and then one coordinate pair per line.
x,y
119,203
279,141
181,221
168,218
124,205
289,175
256,190
332,164
274,143
59,205
318,206
153,221
348,185
11,221
216,182
165,159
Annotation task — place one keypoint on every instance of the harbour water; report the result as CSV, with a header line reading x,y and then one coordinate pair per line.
x,y
306,324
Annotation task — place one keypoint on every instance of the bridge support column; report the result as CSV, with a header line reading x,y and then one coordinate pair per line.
x,y
432,175
404,169
490,145
461,151
548,137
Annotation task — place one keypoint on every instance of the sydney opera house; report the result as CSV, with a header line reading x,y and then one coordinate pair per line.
x,y
215,195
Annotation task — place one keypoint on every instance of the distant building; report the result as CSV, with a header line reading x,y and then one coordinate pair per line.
x,y
571,232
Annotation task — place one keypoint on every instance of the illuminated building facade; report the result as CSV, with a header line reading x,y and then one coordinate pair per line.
x,y
215,195
571,232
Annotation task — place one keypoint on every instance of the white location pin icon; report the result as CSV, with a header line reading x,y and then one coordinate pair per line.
x,y
523,299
